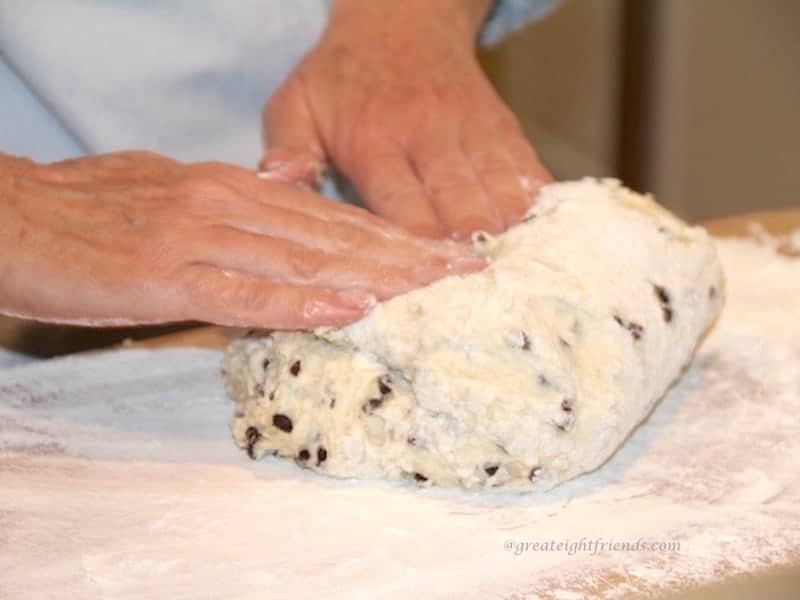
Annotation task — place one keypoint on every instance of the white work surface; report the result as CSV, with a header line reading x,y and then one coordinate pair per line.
x,y
118,479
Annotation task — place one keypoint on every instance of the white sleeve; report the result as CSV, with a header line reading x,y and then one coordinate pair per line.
x,y
508,16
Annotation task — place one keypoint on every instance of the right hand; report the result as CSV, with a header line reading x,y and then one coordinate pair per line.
x,y
135,238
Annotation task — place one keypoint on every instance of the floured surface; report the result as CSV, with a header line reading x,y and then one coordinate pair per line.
x,y
118,480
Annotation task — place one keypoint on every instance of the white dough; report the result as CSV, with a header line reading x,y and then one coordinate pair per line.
x,y
522,376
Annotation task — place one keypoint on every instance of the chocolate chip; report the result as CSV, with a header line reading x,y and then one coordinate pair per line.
x,y
491,470
252,434
564,343
526,341
543,380
576,328
411,440
661,293
564,421
322,455
295,368
667,312
712,292
272,395
567,404
420,477
635,329
332,403
372,404
265,364
383,384
480,236
282,422
517,338
258,390
534,473
303,455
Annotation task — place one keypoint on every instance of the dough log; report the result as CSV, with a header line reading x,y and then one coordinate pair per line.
x,y
522,376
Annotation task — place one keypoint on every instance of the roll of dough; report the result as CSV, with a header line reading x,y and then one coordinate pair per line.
x,y
521,376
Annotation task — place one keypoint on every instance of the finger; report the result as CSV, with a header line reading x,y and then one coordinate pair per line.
x,y
289,167
293,149
391,188
460,200
499,176
321,208
532,172
344,239
291,263
242,300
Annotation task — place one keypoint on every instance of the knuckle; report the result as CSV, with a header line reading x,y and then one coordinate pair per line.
x,y
306,263
398,195
344,239
163,251
492,162
222,292
200,191
249,295
450,179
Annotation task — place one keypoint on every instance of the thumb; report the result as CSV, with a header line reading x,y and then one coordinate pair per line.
x,y
293,149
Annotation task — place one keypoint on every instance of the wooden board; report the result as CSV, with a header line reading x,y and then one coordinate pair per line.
x,y
777,222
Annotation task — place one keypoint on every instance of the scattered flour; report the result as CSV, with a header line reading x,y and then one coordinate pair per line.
x,y
118,480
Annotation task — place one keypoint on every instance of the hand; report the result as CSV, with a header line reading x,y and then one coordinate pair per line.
x,y
137,238
394,96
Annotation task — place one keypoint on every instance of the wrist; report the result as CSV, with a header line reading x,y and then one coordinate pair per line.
x,y
12,227
458,21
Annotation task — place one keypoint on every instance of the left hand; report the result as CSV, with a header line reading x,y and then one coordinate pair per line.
x,y
394,97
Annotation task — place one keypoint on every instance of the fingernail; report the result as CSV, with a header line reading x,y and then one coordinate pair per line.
x,y
457,236
318,313
272,175
274,165
357,299
302,185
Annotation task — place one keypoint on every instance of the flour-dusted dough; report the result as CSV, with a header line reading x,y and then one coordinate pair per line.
x,y
522,376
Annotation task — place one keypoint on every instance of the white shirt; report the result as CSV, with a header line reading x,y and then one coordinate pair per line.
x,y
185,78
